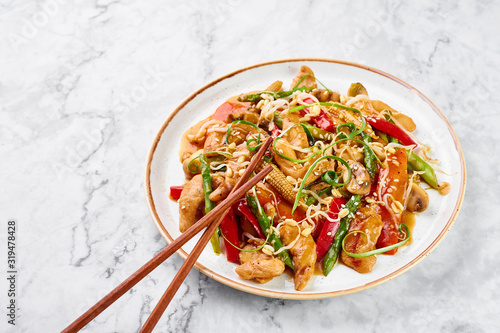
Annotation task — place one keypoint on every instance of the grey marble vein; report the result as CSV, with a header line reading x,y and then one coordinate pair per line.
x,y
85,85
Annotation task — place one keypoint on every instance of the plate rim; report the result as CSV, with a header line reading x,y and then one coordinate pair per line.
x,y
303,295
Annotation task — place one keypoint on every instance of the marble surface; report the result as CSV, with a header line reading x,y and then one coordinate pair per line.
x,y
85,85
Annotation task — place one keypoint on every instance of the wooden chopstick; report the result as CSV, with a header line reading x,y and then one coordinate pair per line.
x,y
195,253
148,267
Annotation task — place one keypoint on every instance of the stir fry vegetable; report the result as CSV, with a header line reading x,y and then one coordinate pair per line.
x,y
265,225
209,204
333,252
346,172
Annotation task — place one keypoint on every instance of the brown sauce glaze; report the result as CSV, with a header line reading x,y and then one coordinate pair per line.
x,y
408,218
444,188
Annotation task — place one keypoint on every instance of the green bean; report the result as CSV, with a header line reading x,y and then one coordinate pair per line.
x,y
265,225
370,157
416,163
333,252
209,204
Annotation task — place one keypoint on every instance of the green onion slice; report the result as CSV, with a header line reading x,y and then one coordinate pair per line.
x,y
293,159
330,177
377,251
300,107
300,81
309,75
311,168
355,140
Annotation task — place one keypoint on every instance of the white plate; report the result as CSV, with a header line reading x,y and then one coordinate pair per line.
x,y
164,170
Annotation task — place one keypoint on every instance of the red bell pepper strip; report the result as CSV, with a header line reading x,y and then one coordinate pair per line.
x,y
275,132
393,130
322,120
243,209
225,109
317,229
175,191
392,185
284,207
229,229
325,239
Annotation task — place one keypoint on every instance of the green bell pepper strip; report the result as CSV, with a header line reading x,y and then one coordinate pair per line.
x,y
416,163
209,204
370,157
265,225
333,252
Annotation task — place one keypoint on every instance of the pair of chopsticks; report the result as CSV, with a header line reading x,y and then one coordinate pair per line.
x,y
243,185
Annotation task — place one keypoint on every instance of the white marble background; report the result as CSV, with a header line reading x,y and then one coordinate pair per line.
x,y
85,85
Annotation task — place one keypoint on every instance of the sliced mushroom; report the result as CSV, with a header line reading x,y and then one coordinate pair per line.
x,y
418,199
335,96
360,182
322,95
247,115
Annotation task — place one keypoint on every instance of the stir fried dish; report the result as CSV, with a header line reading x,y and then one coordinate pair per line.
x,y
347,176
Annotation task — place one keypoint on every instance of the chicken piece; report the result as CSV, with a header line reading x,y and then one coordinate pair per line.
x,y
296,137
223,189
192,197
262,269
189,147
240,133
258,265
213,141
191,165
309,81
254,255
350,151
303,254
368,221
